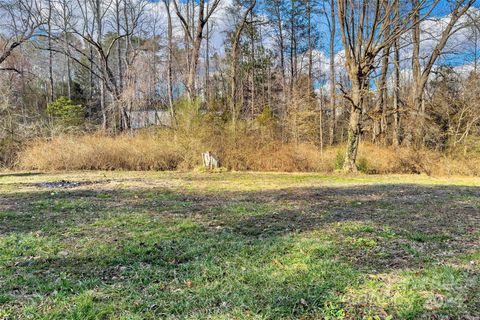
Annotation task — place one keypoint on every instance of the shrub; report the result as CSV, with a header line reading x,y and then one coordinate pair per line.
x,y
339,160
65,112
266,118
8,150
362,164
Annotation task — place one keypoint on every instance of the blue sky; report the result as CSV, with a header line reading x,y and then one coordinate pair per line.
x,y
222,22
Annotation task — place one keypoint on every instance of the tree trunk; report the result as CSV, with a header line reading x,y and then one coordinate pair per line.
x,y
321,107
354,125
194,36
170,62
51,93
379,120
420,77
234,60
98,20
310,45
233,85
292,46
119,47
281,44
396,95
67,51
417,90
207,63
252,65
332,73
282,52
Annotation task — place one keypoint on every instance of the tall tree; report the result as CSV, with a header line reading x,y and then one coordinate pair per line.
x,y
170,59
51,92
420,77
194,35
367,28
331,21
396,90
234,56
380,113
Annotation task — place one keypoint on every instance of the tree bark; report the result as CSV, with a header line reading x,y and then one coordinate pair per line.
x,y
252,64
119,47
293,47
354,124
67,50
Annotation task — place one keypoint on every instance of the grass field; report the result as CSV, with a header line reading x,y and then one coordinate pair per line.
x,y
154,245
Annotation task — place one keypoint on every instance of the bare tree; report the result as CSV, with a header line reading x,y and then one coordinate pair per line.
x,y
331,21
194,35
89,27
379,115
367,28
51,92
293,44
65,16
473,25
170,58
396,90
234,56
420,77
310,44
19,21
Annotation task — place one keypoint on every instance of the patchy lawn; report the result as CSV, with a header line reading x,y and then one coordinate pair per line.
x,y
153,245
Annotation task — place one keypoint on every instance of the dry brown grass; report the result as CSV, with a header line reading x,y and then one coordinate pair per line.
x,y
163,150
99,152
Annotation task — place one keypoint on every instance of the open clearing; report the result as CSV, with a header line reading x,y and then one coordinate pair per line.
x,y
151,245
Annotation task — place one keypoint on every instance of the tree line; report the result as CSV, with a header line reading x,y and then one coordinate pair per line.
x,y
395,72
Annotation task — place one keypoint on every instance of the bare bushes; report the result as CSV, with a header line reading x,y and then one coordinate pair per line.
x,y
250,154
248,146
165,150
99,152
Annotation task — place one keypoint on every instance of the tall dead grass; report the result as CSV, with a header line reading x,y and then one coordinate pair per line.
x,y
99,152
164,150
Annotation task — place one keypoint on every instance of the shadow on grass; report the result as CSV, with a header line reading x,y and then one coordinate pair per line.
x,y
268,254
19,174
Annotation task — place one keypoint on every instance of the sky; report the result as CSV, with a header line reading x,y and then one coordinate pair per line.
x,y
455,51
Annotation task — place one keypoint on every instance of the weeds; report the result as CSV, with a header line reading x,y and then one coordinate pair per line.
x,y
167,150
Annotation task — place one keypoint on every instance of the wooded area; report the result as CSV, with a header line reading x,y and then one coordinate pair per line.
x,y
322,72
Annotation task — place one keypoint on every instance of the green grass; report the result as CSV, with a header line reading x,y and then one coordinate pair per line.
x,y
136,245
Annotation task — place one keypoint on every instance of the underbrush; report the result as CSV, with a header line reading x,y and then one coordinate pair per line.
x,y
181,150
165,150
